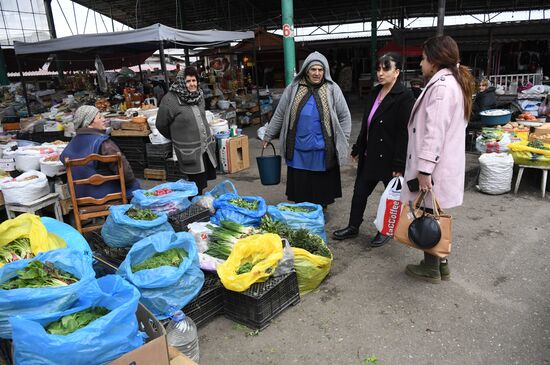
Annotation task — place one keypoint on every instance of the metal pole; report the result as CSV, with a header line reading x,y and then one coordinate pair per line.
x,y
489,54
53,34
112,20
163,63
23,84
287,11
256,74
141,74
373,39
187,62
440,16
3,69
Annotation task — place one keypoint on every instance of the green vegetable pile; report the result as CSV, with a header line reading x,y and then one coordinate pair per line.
x,y
223,238
537,144
301,238
141,214
242,203
38,275
244,268
171,257
289,208
72,322
19,248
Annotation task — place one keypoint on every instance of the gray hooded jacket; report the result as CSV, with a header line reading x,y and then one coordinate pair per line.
x,y
339,111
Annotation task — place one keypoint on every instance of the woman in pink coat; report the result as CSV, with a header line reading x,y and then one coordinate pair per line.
x,y
437,127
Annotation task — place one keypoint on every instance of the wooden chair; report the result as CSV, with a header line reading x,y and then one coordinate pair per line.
x,y
85,208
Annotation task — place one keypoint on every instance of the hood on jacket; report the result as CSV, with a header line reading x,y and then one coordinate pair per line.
x,y
315,56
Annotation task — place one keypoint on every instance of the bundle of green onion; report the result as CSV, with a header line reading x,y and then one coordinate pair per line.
x,y
223,238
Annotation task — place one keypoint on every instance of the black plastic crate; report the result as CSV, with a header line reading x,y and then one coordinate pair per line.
x,y
131,141
156,163
262,302
209,303
114,255
194,213
159,150
173,172
103,267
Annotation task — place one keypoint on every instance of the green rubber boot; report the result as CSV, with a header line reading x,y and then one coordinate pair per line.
x,y
429,273
443,270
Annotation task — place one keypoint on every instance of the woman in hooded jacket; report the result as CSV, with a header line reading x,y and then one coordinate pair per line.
x,y
313,123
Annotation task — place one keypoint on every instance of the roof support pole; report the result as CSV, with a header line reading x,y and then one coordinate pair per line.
x,y
24,85
440,16
373,39
163,63
3,69
187,62
489,53
53,34
256,72
287,11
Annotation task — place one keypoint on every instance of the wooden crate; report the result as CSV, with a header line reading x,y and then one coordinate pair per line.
x,y
134,126
131,133
154,174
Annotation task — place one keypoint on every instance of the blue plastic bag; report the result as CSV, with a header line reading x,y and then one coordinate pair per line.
x,y
120,230
172,203
27,301
71,236
100,342
313,220
224,187
229,212
167,287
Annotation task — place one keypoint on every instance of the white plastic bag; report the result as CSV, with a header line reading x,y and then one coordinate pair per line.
x,y
24,189
488,147
261,132
496,170
200,232
389,207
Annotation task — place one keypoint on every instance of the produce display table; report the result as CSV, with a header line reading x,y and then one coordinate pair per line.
x,y
32,207
543,179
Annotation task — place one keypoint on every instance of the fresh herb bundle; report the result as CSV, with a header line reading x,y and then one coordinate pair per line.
x,y
313,243
141,214
38,274
244,268
72,322
222,239
289,208
171,257
242,203
19,248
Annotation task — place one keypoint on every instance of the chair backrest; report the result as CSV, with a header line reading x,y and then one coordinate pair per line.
x,y
85,208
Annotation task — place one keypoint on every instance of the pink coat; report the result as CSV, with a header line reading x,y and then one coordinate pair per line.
x,y
437,134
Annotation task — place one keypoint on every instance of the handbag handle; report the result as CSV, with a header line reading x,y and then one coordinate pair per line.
x,y
419,204
272,146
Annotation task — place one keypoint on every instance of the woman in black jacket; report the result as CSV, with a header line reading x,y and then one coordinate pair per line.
x,y
485,99
382,143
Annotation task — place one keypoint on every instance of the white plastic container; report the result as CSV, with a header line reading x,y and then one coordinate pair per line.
x,y
182,334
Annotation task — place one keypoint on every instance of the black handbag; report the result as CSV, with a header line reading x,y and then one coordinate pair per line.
x,y
424,231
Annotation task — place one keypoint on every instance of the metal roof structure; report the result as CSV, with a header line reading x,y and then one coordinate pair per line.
x,y
250,14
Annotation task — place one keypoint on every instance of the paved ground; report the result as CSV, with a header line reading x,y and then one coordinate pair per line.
x,y
495,310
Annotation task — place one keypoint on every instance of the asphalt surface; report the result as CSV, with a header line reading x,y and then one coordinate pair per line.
x,y
495,309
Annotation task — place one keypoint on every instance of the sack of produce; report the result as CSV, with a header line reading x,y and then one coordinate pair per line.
x,y
51,165
312,258
127,224
169,198
245,210
496,170
165,269
252,260
49,283
206,201
493,140
99,328
300,215
25,188
25,237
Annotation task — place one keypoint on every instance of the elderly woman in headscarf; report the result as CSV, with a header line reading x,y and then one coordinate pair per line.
x,y
314,125
181,118
92,137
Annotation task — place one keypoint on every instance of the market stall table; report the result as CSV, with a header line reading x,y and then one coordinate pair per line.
x,y
32,207
543,179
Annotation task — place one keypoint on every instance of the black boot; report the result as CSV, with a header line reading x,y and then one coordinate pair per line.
x,y
348,232
379,240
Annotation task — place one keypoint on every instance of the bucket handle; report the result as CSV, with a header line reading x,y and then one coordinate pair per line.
x,y
272,146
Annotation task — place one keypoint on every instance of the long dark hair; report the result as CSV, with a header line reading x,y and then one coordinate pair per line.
x,y
442,51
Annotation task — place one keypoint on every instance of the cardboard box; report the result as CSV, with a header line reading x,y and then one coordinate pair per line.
x,y
155,351
177,358
238,154
224,155
543,130
66,206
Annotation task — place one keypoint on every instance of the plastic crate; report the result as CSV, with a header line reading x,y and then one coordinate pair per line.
x,y
156,163
103,267
262,302
114,255
194,213
159,150
209,303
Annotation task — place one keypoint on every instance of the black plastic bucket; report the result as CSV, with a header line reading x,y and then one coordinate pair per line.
x,y
269,167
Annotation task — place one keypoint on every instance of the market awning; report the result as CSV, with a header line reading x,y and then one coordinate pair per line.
x,y
404,50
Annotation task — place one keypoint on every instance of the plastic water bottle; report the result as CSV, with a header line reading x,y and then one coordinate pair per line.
x,y
182,334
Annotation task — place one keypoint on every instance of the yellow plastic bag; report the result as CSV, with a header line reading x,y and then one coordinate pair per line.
x,y
311,269
525,155
263,250
30,226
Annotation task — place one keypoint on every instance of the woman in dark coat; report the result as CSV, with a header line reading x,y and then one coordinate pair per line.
x,y
485,99
181,118
382,143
